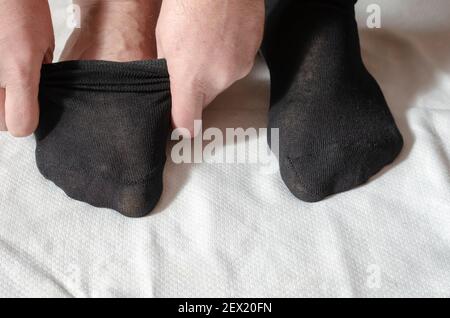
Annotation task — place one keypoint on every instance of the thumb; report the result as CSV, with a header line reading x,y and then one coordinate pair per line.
x,y
188,102
21,105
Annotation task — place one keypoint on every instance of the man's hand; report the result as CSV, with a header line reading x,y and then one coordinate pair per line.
x,y
209,45
26,41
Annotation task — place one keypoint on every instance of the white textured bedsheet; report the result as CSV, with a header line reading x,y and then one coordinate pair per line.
x,y
233,230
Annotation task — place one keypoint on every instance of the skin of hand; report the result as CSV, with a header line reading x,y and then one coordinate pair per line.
x,y
114,30
208,45
26,42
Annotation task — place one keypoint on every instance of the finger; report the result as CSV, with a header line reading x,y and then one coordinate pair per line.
x,y
187,107
2,110
21,105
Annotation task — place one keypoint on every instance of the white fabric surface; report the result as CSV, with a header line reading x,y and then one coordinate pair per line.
x,y
231,230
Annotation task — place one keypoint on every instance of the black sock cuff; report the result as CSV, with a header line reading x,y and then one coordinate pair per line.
x,y
275,7
137,76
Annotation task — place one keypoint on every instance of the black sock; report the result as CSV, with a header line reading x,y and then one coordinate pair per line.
x,y
336,130
103,131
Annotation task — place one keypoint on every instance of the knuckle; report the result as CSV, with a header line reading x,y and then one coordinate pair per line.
x,y
21,74
23,57
24,67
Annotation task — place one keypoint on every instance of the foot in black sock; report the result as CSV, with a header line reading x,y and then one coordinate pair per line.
x,y
336,130
103,132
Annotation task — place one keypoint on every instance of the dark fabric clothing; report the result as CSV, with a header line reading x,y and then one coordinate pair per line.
x,y
103,132
336,130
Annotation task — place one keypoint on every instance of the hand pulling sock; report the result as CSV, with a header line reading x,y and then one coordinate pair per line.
x,y
336,130
103,132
